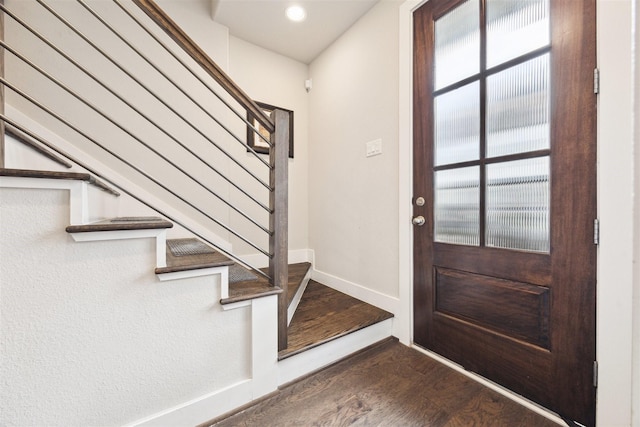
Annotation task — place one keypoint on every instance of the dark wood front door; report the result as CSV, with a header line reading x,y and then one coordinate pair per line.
x,y
504,178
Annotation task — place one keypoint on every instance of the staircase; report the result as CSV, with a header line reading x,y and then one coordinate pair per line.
x,y
146,317
324,325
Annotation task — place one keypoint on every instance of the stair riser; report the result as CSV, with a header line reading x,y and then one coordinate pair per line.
x,y
316,358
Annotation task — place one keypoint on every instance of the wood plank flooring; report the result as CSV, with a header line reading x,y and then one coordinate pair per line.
x,y
325,314
386,385
241,291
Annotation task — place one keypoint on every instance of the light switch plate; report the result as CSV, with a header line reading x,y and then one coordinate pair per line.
x,y
374,147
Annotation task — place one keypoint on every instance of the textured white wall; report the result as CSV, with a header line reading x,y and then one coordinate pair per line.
x,y
353,200
89,336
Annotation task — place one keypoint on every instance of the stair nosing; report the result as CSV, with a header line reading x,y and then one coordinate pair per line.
x,y
179,268
284,354
110,225
230,300
73,176
34,173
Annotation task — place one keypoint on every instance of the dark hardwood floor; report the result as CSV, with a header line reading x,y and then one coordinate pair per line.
x,y
386,385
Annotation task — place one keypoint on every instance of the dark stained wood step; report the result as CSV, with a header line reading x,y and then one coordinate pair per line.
x,y
242,291
192,261
76,176
325,314
122,223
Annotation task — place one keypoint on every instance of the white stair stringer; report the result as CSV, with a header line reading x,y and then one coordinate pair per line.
x,y
78,197
79,215
298,296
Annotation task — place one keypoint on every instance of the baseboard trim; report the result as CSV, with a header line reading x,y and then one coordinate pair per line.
x,y
204,408
355,290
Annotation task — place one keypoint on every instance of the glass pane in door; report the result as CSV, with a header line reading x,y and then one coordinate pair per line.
x,y
457,206
518,205
457,44
457,125
517,118
516,27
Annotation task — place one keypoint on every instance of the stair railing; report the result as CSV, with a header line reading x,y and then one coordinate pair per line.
x,y
243,109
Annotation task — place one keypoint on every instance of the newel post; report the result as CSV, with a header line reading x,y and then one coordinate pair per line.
x,y
278,220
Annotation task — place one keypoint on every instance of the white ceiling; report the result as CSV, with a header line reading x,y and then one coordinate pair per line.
x,y
263,23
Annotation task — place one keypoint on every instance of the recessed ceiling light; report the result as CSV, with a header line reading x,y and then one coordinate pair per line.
x,y
296,13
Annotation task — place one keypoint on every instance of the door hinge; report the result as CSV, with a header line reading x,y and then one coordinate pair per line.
x,y
596,231
596,80
595,373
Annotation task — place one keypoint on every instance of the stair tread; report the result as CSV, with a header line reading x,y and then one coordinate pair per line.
x,y
75,176
249,289
325,314
122,223
192,261
32,173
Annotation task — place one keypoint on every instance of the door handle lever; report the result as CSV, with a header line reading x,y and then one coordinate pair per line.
x,y
418,220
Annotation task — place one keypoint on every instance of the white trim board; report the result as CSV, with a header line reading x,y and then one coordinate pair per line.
x,y
264,380
355,290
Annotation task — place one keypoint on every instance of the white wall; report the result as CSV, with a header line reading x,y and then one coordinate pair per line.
x,y
90,336
353,199
277,80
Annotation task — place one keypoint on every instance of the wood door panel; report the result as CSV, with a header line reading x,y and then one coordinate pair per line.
x,y
523,308
455,339
534,268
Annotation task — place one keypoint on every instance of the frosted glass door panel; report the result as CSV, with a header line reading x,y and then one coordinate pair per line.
x,y
516,27
518,108
457,206
457,125
457,44
518,205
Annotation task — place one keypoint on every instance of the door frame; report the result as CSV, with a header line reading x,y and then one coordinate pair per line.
x,y
615,288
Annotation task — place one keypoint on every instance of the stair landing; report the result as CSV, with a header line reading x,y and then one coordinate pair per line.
x,y
325,314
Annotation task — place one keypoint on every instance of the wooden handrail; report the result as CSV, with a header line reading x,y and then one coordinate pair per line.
x,y
190,47
278,126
